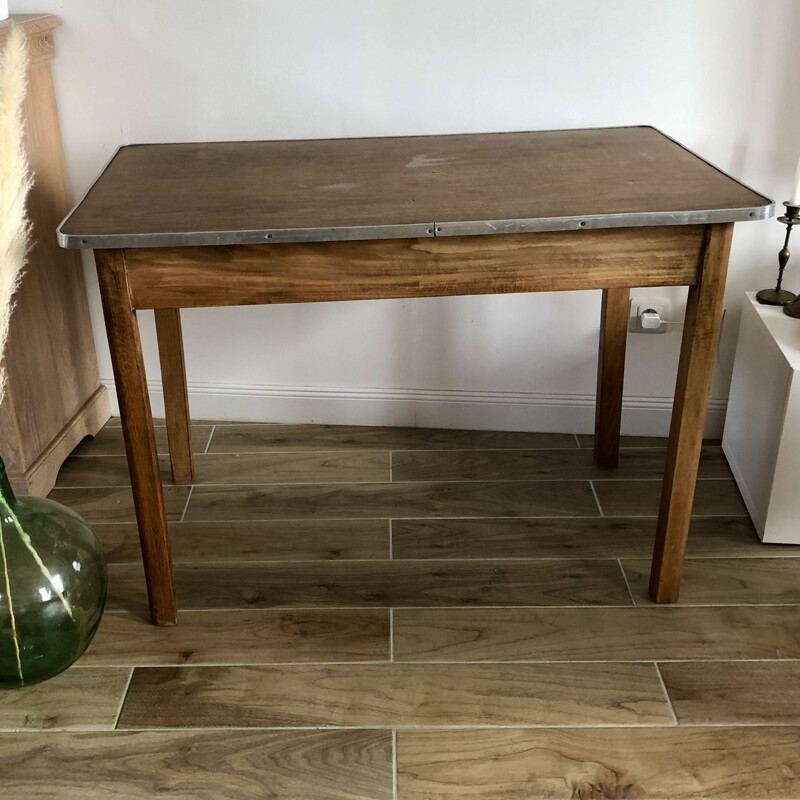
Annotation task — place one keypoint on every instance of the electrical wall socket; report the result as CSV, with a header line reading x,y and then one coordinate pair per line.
x,y
641,303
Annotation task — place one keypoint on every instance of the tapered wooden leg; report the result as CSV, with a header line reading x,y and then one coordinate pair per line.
x,y
137,427
176,398
698,351
610,373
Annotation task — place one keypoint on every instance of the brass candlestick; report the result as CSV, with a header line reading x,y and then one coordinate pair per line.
x,y
778,296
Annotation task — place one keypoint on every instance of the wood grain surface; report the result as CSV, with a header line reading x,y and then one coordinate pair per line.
x,y
234,468
251,637
339,584
641,498
115,503
471,465
699,345
614,314
199,765
109,441
734,692
596,634
442,630
359,500
254,438
601,537
61,703
130,380
176,397
244,186
395,695
611,764
225,275
282,540
50,341
728,581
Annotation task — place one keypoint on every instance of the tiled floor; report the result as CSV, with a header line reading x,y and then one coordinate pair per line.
x,y
392,614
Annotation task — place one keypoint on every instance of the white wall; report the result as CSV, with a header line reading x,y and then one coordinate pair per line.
x,y
714,74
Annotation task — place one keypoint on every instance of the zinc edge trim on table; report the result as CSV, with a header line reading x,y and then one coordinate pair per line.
x,y
422,229
413,231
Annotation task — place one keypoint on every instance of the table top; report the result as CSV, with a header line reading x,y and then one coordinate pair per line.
x,y
156,195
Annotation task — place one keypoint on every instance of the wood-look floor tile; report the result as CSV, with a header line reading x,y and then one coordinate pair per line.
x,y
115,503
109,441
338,584
233,468
283,540
587,440
641,498
360,500
610,764
395,695
532,465
726,581
80,698
731,692
243,637
599,537
589,634
198,765
253,438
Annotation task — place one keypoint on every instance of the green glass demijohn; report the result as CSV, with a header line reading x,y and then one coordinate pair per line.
x,y
52,587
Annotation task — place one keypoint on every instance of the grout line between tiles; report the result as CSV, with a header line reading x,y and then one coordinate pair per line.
x,y
391,634
124,697
425,482
666,692
430,608
210,437
577,441
473,727
175,664
188,498
596,499
391,542
394,763
625,578
442,727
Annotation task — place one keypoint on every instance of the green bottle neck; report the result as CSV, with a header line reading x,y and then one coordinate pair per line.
x,y
6,492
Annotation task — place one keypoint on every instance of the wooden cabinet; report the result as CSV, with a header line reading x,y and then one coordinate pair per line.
x,y
53,396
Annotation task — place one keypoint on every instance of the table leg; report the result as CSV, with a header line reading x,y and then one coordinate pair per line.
x,y
698,351
137,428
610,373
176,399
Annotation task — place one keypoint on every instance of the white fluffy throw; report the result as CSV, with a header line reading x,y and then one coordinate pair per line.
x,y
15,180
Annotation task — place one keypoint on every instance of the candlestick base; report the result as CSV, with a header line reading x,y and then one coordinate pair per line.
x,y
776,297
793,309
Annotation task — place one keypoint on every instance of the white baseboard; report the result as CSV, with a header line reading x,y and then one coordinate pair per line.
x,y
424,408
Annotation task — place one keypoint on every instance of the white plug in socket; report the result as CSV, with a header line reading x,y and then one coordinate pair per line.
x,y
649,314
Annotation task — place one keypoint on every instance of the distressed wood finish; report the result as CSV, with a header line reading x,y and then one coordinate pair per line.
x,y
369,189
610,375
171,277
176,398
137,426
698,350
251,186
53,395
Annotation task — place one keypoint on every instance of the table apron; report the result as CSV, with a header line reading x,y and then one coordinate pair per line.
x,y
187,277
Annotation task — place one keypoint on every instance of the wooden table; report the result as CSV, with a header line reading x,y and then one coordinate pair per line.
x,y
224,224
